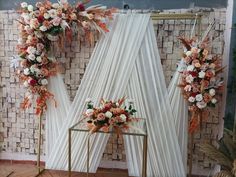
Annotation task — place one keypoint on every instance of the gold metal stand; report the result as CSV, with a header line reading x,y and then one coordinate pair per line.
x,y
40,170
73,128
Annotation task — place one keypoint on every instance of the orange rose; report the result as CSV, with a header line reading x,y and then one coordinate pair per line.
x,y
45,72
204,84
207,97
209,73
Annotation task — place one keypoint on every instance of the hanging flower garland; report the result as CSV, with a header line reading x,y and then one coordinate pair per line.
x,y
39,27
201,83
110,115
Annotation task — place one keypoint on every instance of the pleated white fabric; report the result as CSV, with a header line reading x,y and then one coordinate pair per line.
x,y
179,108
56,115
147,87
125,61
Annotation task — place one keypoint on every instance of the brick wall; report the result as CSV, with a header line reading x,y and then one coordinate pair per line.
x,y
18,130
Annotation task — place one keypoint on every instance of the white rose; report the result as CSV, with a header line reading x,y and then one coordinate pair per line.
x,y
123,117
55,5
199,97
108,114
189,79
30,8
31,50
30,37
52,13
44,81
64,24
24,5
188,53
43,28
26,84
191,99
31,57
39,59
201,105
117,104
212,92
46,15
26,71
89,112
201,74
190,68
214,101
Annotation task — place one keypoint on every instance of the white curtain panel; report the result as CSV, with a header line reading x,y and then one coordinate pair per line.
x,y
147,87
124,62
179,108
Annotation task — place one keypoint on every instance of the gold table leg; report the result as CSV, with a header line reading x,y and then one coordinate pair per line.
x,y
88,147
144,165
39,169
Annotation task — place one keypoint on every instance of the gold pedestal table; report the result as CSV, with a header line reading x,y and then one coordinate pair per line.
x,y
138,129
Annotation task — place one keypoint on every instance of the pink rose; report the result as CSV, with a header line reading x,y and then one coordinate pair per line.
x,y
40,46
56,21
101,116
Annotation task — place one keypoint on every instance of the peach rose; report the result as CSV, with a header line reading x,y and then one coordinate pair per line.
x,y
45,72
209,73
204,83
23,63
101,116
207,97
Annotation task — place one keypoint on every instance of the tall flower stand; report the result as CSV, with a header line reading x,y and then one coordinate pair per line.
x,y
39,170
81,127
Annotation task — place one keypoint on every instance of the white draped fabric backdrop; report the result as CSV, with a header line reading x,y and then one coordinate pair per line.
x,y
124,62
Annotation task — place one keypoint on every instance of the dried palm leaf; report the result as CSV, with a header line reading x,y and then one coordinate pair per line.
x,y
223,174
185,43
216,155
231,147
234,168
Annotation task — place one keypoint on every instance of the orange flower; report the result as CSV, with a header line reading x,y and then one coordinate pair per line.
x,y
204,84
45,72
207,97
105,128
47,24
209,73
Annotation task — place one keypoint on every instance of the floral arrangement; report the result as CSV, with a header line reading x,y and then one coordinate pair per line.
x,y
200,81
39,27
109,115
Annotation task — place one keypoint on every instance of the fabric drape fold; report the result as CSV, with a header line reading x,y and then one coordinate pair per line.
x,y
179,108
124,62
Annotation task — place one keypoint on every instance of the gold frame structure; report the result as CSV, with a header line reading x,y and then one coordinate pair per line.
x,y
183,16
179,16
145,144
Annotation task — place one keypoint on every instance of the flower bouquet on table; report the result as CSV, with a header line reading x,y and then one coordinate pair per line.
x,y
110,115
200,82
